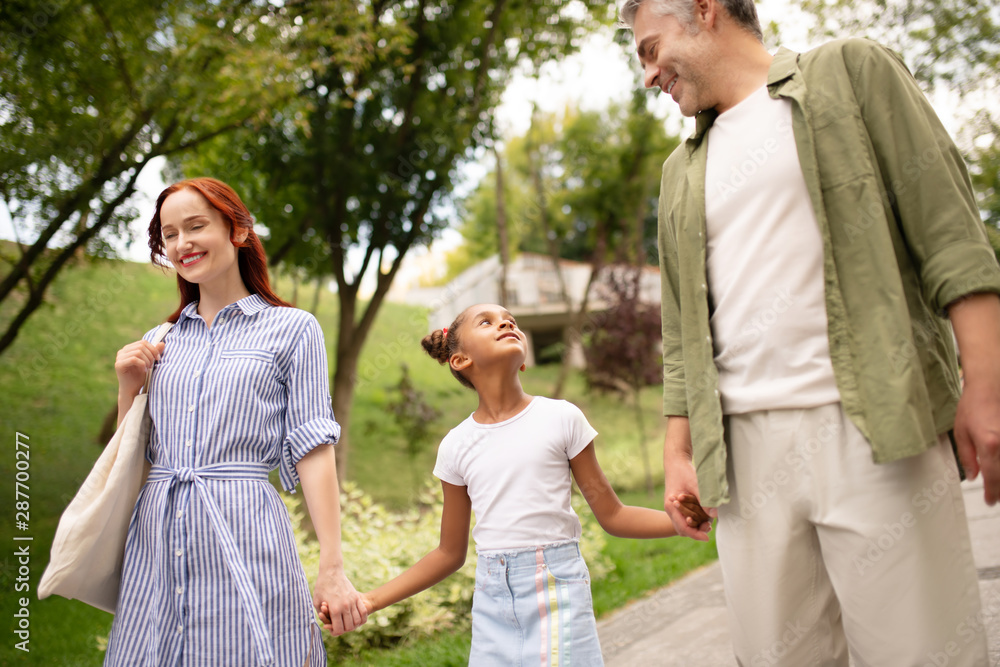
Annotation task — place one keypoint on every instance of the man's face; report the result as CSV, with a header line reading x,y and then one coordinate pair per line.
x,y
674,59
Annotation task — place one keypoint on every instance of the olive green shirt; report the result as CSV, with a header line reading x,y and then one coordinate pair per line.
x,y
902,238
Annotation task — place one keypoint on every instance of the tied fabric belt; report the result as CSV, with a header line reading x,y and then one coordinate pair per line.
x,y
234,560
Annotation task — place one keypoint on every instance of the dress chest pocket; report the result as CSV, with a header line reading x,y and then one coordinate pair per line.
x,y
250,368
266,356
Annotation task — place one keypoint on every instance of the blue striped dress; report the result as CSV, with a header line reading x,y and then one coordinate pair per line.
x,y
212,575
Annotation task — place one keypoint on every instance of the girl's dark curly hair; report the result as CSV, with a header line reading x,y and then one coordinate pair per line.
x,y
440,347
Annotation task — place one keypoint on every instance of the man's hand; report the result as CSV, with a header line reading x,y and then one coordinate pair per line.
x,y
681,482
976,320
977,435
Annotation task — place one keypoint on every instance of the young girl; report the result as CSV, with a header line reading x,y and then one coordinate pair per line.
x,y
241,387
510,462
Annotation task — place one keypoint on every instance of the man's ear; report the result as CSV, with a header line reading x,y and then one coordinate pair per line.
x,y
459,361
705,12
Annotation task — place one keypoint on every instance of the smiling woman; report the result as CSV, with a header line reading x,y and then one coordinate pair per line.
x,y
240,388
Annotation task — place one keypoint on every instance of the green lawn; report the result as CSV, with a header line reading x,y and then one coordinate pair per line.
x,y
59,385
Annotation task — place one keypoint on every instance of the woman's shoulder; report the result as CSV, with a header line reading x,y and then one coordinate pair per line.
x,y
293,320
149,335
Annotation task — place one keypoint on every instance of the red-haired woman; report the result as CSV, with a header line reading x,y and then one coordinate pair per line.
x,y
241,387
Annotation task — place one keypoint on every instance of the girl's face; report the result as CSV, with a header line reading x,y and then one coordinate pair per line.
x,y
489,335
196,239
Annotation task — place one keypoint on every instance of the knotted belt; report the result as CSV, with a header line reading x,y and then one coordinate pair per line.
x,y
234,560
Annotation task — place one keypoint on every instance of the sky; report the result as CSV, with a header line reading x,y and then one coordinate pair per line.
x,y
598,74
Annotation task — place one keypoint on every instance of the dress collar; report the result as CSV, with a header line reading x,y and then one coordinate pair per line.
x,y
249,305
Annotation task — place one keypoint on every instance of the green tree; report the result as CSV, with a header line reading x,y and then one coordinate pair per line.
x,y
92,91
580,185
362,160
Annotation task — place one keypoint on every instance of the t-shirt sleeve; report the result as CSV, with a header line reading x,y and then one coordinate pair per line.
x,y
445,466
579,432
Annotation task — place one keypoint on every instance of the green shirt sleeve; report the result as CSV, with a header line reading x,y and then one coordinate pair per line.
x,y
674,388
928,186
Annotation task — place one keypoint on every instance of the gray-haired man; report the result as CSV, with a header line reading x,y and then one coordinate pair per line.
x,y
814,234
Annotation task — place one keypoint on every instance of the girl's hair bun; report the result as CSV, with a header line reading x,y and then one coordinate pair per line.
x,y
436,345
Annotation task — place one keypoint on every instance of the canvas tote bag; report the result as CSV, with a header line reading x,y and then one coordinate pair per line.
x,y
89,545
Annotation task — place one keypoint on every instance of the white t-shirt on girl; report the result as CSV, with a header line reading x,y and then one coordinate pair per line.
x,y
517,473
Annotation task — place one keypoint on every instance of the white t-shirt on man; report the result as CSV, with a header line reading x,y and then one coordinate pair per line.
x,y
765,264
517,473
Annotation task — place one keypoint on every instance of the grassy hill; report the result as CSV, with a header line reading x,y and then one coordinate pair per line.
x,y
59,386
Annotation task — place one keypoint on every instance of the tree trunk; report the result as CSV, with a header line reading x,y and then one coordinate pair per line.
x,y
553,244
37,293
316,292
343,395
502,230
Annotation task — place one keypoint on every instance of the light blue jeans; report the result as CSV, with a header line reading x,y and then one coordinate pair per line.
x,y
533,607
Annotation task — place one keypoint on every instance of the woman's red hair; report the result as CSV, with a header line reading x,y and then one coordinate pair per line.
x,y
250,253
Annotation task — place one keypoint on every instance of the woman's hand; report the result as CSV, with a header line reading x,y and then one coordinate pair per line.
x,y
341,608
131,365
133,362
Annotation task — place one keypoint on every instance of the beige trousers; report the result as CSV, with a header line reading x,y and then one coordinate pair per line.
x,y
825,552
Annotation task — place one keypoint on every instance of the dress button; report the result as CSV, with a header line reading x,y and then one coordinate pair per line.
x,y
197,373
191,408
180,513
180,628
179,590
187,443
179,552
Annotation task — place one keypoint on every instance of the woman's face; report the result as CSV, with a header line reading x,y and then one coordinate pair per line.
x,y
196,239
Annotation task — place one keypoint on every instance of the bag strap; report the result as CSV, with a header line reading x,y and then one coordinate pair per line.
x,y
157,337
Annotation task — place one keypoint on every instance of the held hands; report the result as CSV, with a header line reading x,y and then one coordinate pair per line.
x,y
326,618
132,363
682,504
340,607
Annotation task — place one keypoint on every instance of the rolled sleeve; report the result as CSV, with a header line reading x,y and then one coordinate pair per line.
x,y
931,194
309,420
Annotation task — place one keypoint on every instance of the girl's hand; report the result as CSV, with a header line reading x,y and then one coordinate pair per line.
x,y
340,607
692,510
132,363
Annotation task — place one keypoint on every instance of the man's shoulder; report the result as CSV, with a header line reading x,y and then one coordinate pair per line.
x,y
847,55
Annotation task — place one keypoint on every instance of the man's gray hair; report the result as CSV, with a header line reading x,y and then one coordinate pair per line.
x,y
744,12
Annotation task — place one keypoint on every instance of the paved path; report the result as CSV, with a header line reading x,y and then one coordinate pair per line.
x,y
684,624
